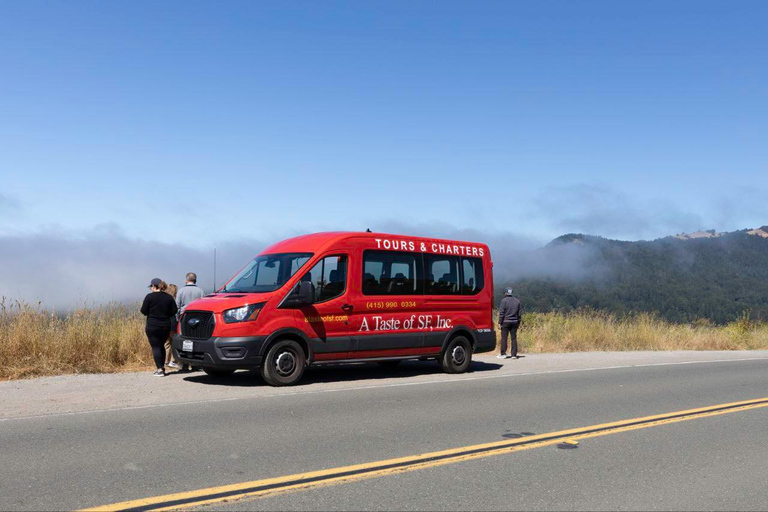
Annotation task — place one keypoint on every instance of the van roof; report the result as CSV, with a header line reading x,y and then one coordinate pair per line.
x,y
317,242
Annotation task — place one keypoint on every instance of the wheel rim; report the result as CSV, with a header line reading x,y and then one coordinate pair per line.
x,y
458,355
285,363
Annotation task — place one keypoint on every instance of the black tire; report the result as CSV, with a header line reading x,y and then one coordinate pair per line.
x,y
284,364
389,364
218,374
457,356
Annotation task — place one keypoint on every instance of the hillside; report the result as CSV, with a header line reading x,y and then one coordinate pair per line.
x,y
684,277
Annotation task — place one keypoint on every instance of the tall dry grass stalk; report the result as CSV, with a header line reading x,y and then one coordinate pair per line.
x,y
588,331
35,342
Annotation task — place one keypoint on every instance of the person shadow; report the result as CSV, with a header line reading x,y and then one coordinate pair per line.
x,y
349,372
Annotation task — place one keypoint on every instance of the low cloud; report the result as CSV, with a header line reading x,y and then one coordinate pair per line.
x,y
64,270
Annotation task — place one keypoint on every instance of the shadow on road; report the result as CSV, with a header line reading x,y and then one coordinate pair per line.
x,y
341,373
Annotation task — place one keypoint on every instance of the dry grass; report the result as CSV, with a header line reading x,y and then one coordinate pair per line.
x,y
588,331
111,338
34,342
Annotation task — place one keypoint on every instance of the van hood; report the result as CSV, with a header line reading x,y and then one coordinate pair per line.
x,y
218,302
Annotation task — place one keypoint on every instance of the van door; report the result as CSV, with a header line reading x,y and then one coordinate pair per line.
x,y
326,321
384,320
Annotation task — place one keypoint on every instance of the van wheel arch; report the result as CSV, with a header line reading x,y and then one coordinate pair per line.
x,y
289,334
459,330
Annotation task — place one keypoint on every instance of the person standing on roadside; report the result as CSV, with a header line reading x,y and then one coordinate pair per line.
x,y
188,293
159,308
510,313
169,362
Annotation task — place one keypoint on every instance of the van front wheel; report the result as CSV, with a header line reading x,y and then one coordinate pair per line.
x,y
457,356
284,364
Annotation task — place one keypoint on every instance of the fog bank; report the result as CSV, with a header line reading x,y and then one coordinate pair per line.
x,y
63,270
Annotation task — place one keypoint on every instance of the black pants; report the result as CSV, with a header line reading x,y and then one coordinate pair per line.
x,y
511,331
157,335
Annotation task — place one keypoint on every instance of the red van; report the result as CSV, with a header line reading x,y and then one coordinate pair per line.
x,y
344,297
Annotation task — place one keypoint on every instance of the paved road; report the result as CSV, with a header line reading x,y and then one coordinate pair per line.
x,y
79,454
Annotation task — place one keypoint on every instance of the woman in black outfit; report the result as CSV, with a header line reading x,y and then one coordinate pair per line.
x,y
159,308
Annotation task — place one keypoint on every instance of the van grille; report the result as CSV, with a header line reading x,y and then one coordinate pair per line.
x,y
200,330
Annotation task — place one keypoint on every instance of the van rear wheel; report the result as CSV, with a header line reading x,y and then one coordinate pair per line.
x,y
457,356
284,364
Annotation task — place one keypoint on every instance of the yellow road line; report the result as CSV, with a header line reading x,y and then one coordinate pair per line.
x,y
411,463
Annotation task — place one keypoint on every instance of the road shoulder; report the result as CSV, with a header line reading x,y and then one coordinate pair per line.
x,y
76,394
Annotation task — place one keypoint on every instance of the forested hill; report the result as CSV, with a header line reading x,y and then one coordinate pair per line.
x,y
704,275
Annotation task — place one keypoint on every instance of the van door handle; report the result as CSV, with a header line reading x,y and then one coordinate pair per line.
x,y
347,307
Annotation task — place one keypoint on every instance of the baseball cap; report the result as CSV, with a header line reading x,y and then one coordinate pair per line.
x,y
155,282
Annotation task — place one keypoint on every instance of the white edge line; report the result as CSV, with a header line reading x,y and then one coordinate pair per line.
x,y
384,386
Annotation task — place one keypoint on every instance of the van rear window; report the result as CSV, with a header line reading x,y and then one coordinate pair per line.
x,y
391,273
472,279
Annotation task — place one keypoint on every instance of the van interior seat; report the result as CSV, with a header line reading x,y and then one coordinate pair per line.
x,y
307,278
334,286
398,283
370,284
448,283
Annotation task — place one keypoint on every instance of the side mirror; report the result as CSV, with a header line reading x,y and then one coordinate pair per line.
x,y
300,296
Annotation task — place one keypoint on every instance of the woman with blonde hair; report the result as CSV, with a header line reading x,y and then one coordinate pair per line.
x,y
159,308
171,290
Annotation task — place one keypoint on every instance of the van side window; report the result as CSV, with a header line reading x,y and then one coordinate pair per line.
x,y
441,274
473,279
391,273
328,278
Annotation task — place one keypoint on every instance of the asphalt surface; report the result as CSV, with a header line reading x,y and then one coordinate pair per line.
x,y
95,456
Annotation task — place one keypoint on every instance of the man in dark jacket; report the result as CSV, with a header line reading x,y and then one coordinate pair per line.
x,y
510,312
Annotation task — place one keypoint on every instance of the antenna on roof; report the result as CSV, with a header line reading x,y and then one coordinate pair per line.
x,y
368,230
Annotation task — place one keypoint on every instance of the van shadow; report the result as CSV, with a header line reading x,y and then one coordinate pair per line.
x,y
351,372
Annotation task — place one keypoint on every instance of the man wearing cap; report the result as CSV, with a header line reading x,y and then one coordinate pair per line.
x,y
159,307
510,312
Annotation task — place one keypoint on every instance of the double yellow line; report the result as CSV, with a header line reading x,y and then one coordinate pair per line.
x,y
402,464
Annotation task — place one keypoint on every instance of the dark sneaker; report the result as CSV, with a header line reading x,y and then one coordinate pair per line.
x,y
184,368
159,373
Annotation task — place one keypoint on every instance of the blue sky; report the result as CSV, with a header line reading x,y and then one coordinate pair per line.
x,y
206,122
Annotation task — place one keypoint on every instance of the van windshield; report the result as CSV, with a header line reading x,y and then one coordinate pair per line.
x,y
267,273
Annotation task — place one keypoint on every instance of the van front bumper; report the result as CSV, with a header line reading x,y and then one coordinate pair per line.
x,y
220,353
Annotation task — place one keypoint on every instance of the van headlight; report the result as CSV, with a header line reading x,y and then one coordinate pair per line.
x,y
247,313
